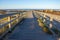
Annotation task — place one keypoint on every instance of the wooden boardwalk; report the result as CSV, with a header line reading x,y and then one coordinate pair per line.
x,y
28,29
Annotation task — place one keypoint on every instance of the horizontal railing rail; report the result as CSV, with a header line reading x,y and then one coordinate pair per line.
x,y
5,15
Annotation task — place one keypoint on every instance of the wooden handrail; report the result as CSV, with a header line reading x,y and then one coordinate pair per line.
x,y
18,18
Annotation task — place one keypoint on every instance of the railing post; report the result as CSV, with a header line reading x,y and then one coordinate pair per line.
x,y
17,15
9,19
51,19
44,18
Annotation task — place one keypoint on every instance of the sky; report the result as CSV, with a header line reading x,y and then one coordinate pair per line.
x,y
29,4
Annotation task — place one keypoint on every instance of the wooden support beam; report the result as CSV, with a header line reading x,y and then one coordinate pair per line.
x,y
51,19
9,19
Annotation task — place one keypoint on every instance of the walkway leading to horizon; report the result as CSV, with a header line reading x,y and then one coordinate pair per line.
x,y
28,29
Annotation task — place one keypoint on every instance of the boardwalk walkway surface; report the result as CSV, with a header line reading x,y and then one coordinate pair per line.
x,y
28,30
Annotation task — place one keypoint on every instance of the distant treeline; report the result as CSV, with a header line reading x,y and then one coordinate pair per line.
x,y
50,11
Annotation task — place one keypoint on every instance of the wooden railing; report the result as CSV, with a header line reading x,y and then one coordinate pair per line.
x,y
52,21
8,22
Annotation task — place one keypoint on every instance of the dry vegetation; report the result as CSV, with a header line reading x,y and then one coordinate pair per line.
x,y
11,10
51,12
2,11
